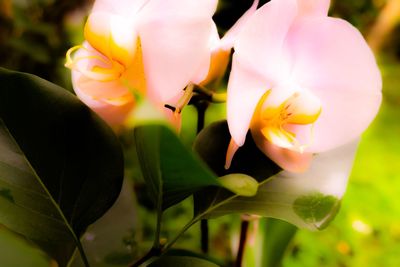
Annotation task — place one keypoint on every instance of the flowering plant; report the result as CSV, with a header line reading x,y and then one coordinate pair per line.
x,y
302,88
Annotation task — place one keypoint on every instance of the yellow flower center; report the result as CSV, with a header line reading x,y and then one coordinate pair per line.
x,y
277,113
115,53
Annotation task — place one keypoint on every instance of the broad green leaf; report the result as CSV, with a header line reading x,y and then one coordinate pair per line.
x,y
212,144
307,200
110,241
189,253
276,237
171,171
61,167
270,239
181,261
15,251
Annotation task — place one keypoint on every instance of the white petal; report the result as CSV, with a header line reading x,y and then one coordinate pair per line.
x,y
245,89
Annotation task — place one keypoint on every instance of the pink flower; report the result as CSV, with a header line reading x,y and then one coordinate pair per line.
x,y
220,49
303,83
146,47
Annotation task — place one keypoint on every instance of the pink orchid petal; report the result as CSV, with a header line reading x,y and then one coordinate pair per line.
x,y
229,38
333,61
260,41
87,58
245,88
112,35
214,67
126,8
100,90
178,8
213,42
230,153
174,36
111,100
113,114
287,159
313,7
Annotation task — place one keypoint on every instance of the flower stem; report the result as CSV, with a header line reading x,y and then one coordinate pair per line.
x,y
152,252
244,227
210,95
201,107
204,235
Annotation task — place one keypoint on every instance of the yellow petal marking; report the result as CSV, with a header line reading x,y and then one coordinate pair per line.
x,y
218,64
300,108
134,77
112,36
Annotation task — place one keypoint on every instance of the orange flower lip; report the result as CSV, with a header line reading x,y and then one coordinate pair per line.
x,y
273,114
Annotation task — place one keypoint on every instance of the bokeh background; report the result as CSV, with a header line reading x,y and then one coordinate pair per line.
x,y
35,34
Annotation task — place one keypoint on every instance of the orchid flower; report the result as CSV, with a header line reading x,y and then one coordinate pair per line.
x,y
139,47
301,81
220,48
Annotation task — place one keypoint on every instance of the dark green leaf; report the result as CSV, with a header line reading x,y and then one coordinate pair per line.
x,y
171,171
6,193
110,241
189,253
212,144
18,252
61,166
181,261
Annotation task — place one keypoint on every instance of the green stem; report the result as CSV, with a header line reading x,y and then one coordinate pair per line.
x,y
183,230
156,243
204,236
244,227
202,216
210,95
152,252
201,107
184,100
82,253
218,98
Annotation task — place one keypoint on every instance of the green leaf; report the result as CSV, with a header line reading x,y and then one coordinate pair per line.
x,y
61,167
277,235
172,172
308,200
240,184
181,261
18,252
110,241
189,253
212,144
315,207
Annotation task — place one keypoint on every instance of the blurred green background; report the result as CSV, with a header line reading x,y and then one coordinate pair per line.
x,y
35,34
